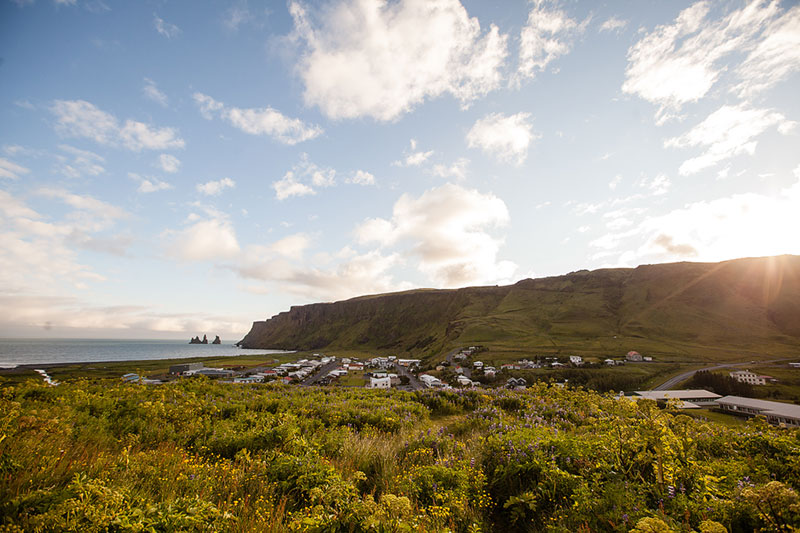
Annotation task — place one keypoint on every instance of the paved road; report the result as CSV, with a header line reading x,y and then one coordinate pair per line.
x,y
463,364
321,373
670,383
413,382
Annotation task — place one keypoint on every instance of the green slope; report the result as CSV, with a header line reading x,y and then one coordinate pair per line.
x,y
740,309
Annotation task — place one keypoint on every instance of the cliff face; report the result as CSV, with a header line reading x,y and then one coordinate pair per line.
x,y
746,305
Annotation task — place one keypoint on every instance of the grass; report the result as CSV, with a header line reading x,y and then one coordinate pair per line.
x,y
353,378
677,313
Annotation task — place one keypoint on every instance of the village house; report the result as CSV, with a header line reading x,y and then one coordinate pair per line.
x,y
211,372
489,371
380,383
464,381
751,378
516,383
179,370
634,357
576,360
432,382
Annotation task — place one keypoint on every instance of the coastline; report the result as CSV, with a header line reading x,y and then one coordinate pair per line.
x,y
18,355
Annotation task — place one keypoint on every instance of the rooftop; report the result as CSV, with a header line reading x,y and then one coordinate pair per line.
x,y
766,406
687,394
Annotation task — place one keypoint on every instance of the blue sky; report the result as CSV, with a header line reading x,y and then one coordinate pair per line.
x,y
169,169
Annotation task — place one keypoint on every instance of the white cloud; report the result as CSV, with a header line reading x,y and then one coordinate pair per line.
x,y
169,163
613,24
740,225
729,131
547,35
102,213
29,312
206,238
362,177
81,162
259,121
614,183
236,16
355,275
214,188
381,59
149,184
304,178
78,118
11,170
152,92
505,137
656,186
39,251
165,28
774,58
288,186
680,62
414,158
447,228
457,170
292,246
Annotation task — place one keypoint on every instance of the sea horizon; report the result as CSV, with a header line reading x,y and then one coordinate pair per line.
x,y
17,351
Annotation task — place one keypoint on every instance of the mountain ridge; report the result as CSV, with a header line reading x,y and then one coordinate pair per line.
x,y
749,305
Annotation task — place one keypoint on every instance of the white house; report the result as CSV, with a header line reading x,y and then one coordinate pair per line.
x,y
478,364
380,383
431,381
464,381
576,360
746,376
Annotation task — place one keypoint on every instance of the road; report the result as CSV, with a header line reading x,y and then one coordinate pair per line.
x,y
413,382
321,373
463,364
671,382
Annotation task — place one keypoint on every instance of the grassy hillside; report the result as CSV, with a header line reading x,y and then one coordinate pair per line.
x,y
740,309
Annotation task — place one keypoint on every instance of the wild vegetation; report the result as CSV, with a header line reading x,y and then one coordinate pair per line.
x,y
202,456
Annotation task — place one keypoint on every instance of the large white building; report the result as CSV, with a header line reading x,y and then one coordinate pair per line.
x,y
774,412
746,376
687,399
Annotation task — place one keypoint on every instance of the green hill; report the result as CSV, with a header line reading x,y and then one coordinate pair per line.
x,y
739,309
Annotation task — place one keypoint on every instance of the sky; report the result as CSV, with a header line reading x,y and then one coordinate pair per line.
x,y
175,168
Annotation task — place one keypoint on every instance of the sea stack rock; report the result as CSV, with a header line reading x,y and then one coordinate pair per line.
x,y
195,340
216,340
205,340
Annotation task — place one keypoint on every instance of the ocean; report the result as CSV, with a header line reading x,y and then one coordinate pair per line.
x,y
15,352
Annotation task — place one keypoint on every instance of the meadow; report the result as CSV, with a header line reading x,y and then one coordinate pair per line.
x,y
196,455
